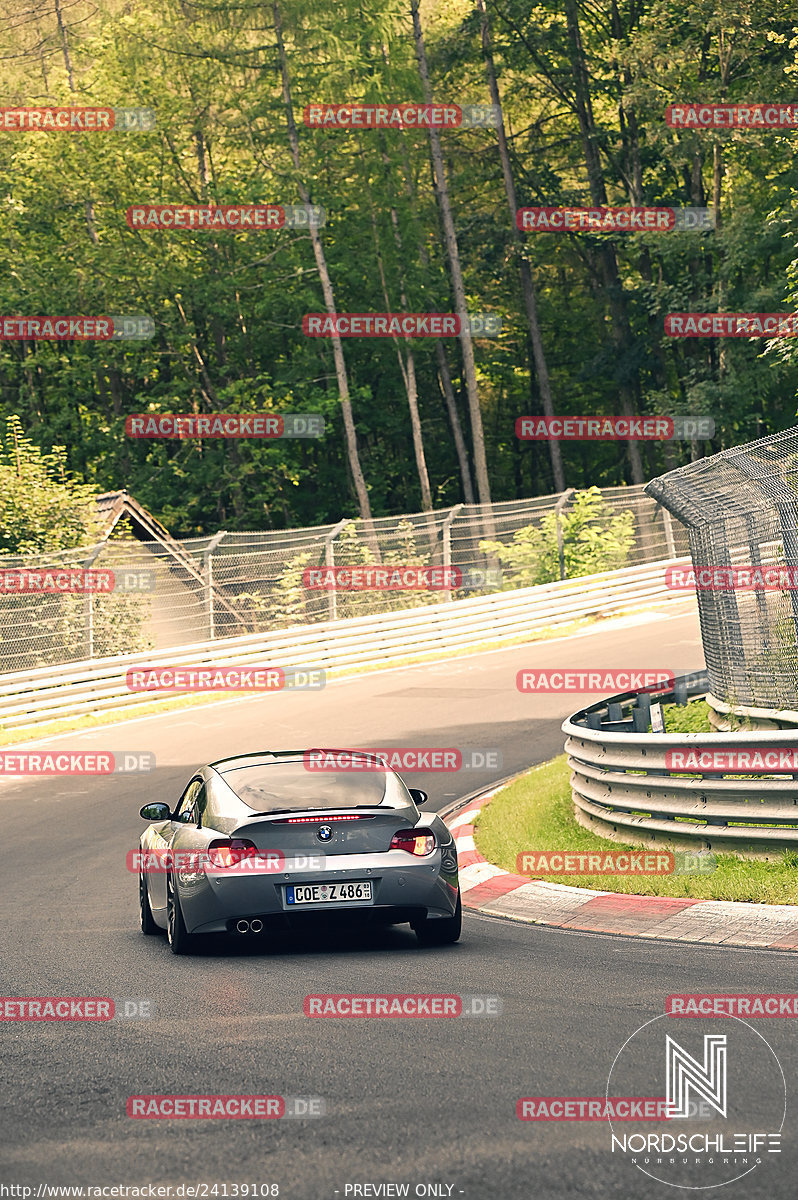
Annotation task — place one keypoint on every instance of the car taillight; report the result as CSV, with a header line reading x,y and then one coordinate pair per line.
x,y
418,842
325,818
229,852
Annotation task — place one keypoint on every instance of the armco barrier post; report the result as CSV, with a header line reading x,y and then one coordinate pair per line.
x,y
208,573
558,507
88,604
670,545
329,561
446,539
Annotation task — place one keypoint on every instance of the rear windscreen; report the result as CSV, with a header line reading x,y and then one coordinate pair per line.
x,y
266,787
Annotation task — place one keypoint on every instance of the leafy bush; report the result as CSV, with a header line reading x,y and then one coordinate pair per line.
x,y
43,513
290,602
593,540
42,509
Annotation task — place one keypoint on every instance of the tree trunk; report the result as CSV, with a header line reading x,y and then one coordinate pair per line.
x,y
527,281
407,362
444,375
619,320
358,479
445,378
88,207
458,288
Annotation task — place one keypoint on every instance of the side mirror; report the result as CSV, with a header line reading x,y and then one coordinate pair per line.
x,y
418,796
156,812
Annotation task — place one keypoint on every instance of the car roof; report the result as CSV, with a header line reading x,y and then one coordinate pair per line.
x,y
256,757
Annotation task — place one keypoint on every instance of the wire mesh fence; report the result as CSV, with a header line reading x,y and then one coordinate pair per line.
x,y
740,510
168,594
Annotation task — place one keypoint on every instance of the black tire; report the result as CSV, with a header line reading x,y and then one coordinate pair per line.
x,y
179,939
145,912
443,931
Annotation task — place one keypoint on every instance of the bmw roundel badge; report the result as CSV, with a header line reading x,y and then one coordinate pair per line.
x,y
324,833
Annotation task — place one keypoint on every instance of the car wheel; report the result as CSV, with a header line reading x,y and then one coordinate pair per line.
x,y
180,940
443,931
145,912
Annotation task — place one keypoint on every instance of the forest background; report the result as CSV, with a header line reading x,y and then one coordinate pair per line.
x,y
414,222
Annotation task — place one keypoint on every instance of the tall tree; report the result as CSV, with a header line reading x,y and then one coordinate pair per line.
x,y
324,278
458,288
524,267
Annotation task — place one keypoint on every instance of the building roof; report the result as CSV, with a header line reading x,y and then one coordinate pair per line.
x,y
113,507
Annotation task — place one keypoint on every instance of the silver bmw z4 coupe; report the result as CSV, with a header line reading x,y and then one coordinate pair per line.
x,y
273,841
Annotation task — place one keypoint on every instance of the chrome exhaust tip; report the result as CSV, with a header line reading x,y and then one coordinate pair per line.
x,y
256,926
242,926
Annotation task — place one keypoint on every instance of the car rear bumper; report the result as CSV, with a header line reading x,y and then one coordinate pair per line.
x,y
213,904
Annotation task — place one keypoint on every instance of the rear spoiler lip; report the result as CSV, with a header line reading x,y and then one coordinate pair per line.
x,y
368,812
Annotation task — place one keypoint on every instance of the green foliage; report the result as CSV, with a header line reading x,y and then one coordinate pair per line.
x,y
352,550
61,628
593,540
42,509
288,603
228,306
291,601
687,718
45,512
537,811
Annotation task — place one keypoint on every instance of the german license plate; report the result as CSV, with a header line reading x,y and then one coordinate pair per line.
x,y
329,893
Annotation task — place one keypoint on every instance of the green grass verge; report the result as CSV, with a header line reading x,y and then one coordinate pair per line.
x,y
687,718
536,813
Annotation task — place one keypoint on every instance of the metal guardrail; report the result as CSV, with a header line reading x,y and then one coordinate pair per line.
x,y
237,584
97,686
624,790
725,716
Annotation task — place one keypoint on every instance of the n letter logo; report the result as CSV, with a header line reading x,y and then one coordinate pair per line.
x,y
686,1074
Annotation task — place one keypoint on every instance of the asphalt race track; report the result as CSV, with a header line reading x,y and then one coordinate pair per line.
x,y
422,1102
